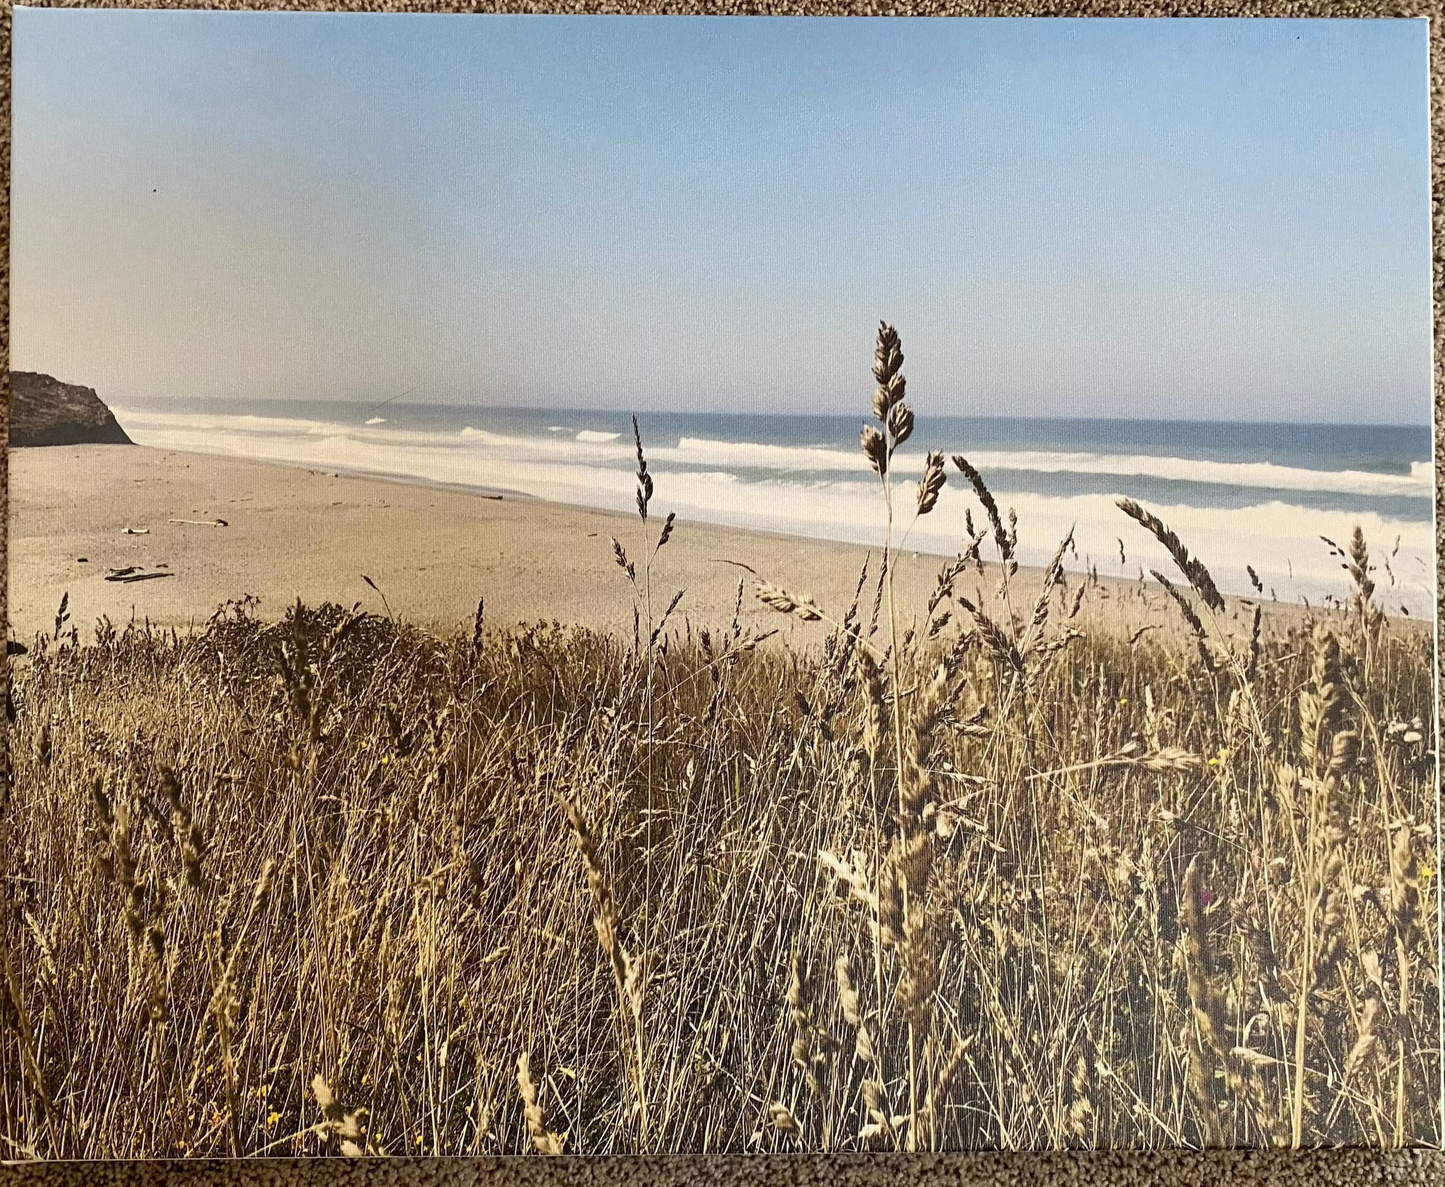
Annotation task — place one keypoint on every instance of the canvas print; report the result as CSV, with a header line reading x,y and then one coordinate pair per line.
x,y
630,586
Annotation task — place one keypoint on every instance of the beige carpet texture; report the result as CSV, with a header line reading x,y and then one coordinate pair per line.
x,y
1337,1168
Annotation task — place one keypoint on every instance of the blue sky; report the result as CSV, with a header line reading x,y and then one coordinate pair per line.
x,y
1174,219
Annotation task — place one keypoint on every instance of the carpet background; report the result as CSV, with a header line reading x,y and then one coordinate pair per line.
x,y
1337,1168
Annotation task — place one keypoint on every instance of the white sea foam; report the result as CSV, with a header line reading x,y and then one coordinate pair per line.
x,y
770,457
481,436
377,420
202,422
591,446
1264,475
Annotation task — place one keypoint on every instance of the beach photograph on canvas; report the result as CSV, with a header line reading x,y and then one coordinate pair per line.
x,y
651,585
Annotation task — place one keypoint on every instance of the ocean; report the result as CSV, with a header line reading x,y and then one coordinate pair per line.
x,y
1263,495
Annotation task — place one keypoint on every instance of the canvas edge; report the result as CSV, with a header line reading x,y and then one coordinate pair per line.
x,y
1177,1168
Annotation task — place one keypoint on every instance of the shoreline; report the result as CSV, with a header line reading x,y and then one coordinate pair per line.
x,y
432,549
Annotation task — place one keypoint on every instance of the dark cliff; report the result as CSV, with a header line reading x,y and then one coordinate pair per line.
x,y
44,411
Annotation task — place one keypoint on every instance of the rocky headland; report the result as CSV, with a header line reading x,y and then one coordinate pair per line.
x,y
44,411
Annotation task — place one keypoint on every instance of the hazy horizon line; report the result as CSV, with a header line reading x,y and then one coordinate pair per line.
x,y
775,415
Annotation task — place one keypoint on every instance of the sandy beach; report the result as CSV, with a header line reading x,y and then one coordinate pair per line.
x,y
432,551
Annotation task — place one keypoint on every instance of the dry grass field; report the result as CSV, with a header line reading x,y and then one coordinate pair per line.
x,y
954,876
